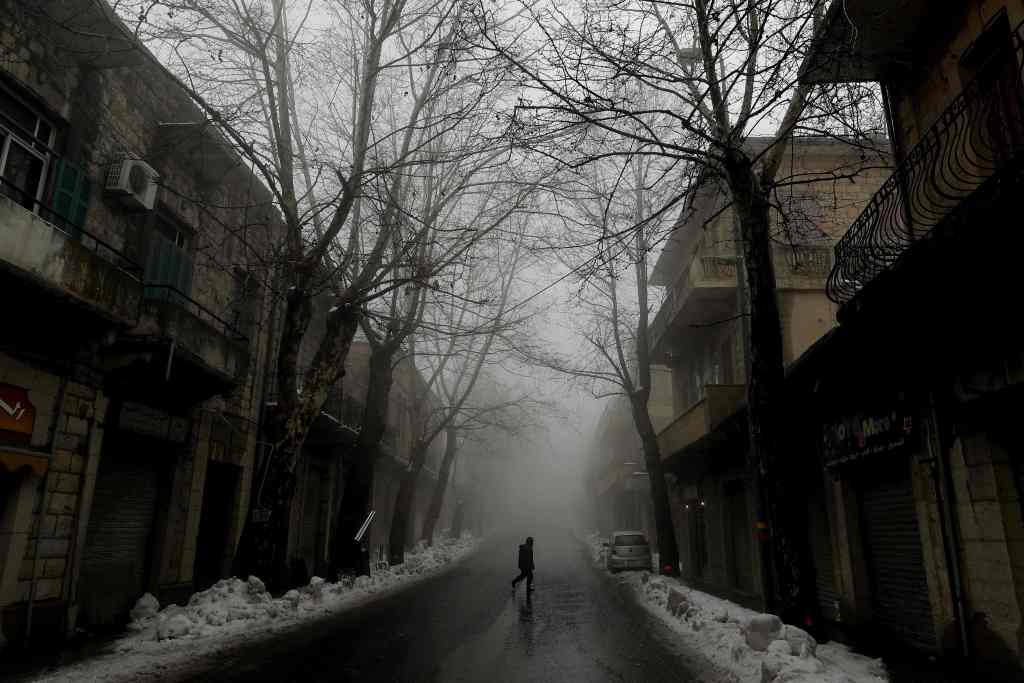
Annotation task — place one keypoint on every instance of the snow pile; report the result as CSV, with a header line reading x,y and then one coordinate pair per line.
x,y
232,602
596,544
742,644
232,611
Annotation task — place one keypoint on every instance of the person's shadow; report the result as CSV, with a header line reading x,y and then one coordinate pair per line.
x,y
526,622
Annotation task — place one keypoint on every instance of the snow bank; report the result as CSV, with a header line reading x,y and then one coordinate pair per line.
x,y
233,611
741,644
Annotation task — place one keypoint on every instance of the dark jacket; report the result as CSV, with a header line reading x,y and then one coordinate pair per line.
x,y
526,558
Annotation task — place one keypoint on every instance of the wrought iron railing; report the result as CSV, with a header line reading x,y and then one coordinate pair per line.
x,y
107,252
978,135
172,295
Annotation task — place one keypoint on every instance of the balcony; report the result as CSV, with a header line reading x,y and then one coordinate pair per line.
x,y
720,402
867,40
80,267
179,348
338,423
948,190
623,476
706,290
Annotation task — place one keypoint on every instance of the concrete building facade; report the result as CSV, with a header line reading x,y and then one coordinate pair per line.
x,y
132,249
320,475
925,279
619,489
699,333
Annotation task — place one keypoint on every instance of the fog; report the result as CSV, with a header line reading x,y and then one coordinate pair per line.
x,y
535,480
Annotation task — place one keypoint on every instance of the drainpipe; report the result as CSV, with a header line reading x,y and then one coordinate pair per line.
x,y
942,480
73,568
61,395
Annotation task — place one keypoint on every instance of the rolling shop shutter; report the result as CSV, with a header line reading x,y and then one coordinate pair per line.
x,y
116,556
899,587
824,573
740,538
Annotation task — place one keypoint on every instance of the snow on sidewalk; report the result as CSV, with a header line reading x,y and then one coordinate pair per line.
x,y
232,611
740,644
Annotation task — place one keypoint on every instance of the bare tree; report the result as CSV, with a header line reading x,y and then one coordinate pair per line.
x,y
457,191
472,323
327,102
489,410
610,262
691,82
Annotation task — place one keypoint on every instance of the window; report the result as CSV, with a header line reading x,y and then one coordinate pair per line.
x,y
629,540
991,62
25,141
168,258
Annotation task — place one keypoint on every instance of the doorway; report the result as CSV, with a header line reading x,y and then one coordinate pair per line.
x,y
738,534
213,548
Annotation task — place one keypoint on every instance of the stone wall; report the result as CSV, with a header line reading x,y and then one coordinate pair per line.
x,y
45,526
106,110
991,529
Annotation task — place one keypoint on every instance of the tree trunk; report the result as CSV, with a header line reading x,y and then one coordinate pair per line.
x,y
346,553
437,499
458,519
264,541
765,398
668,551
402,516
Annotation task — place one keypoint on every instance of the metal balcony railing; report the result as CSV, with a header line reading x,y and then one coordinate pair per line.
x,y
977,137
102,249
170,294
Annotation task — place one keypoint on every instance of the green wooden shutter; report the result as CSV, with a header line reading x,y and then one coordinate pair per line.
x,y
167,264
184,276
71,197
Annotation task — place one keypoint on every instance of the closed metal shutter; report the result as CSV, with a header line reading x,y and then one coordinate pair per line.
x,y
899,587
821,541
116,556
740,537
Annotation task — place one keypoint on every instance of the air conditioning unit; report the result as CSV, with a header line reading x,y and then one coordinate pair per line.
x,y
134,182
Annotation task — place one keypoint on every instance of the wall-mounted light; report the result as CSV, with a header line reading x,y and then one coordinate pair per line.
x,y
702,504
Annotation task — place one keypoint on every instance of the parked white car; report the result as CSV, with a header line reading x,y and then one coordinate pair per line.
x,y
627,550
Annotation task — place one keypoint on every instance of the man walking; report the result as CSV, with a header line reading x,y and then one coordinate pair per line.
x,y
525,565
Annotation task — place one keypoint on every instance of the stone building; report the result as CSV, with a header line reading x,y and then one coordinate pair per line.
x,y
619,490
320,475
920,387
132,257
699,333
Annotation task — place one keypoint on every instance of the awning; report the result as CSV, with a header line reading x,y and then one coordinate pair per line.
x,y
13,459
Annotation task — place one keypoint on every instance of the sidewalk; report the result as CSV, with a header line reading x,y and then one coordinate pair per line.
x,y
736,643
161,643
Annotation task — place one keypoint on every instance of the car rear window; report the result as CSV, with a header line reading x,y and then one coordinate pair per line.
x,y
630,539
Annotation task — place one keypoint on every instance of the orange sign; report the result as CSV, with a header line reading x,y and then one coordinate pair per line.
x,y
17,414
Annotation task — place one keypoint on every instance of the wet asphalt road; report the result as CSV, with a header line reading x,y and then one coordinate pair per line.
x,y
466,625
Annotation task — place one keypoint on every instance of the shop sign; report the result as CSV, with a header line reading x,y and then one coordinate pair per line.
x,y
17,414
142,419
864,434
